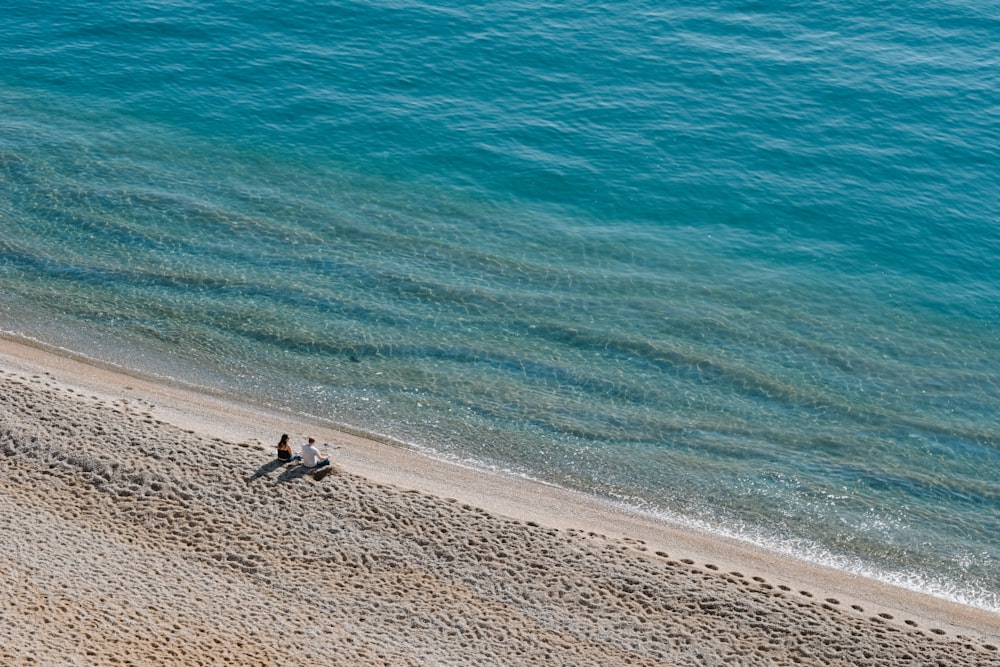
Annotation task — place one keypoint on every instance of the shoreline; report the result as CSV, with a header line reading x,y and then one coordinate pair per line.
x,y
247,433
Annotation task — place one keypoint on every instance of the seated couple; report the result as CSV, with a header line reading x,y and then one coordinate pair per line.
x,y
310,455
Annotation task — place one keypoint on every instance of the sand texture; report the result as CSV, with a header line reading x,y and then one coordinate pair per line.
x,y
129,539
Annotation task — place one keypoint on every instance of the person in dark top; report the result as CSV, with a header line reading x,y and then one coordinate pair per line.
x,y
285,452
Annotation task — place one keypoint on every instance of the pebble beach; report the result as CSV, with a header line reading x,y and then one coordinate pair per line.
x,y
143,524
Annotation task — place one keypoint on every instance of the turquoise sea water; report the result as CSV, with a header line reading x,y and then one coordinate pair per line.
x,y
730,263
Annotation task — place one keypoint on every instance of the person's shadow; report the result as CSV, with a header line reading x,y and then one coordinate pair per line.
x,y
292,470
266,469
297,471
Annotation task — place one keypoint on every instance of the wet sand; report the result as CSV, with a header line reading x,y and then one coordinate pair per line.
x,y
142,523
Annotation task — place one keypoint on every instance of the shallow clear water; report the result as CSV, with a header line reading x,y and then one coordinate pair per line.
x,y
732,264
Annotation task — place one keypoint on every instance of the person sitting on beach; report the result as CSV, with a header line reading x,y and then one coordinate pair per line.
x,y
310,455
285,450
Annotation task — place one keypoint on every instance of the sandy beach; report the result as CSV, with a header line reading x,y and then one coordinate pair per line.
x,y
145,524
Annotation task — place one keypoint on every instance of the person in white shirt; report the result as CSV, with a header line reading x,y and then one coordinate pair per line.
x,y
310,455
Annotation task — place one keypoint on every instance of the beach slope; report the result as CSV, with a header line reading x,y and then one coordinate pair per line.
x,y
141,524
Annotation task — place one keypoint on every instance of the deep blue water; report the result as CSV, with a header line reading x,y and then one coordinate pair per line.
x,y
733,264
